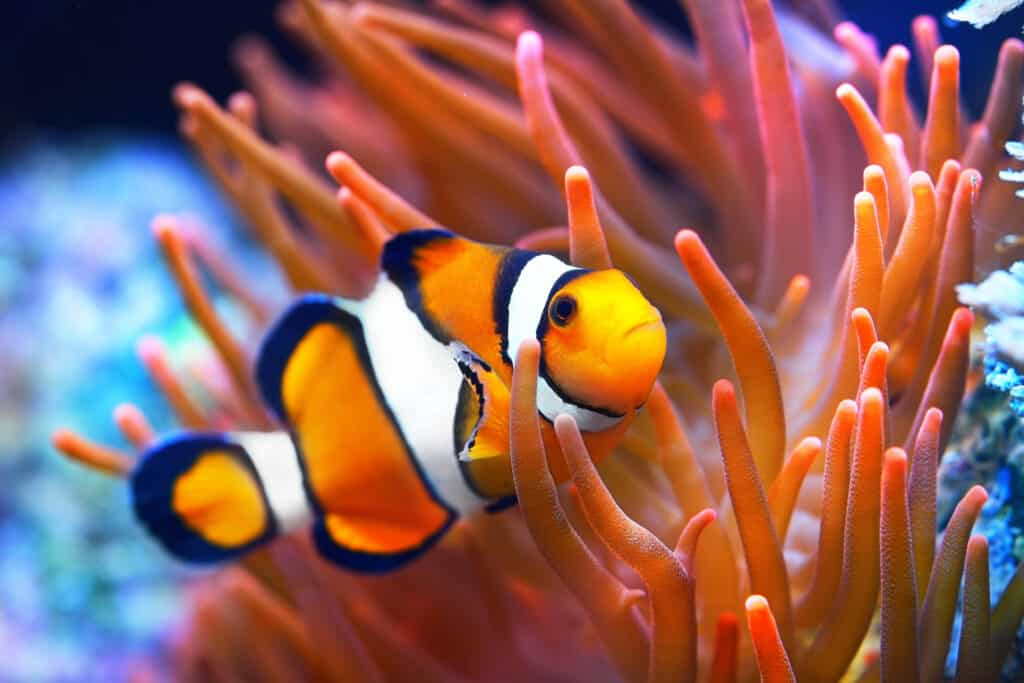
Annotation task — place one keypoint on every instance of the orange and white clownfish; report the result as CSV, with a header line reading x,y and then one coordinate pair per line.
x,y
396,405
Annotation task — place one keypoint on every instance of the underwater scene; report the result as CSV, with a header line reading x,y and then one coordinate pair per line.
x,y
541,340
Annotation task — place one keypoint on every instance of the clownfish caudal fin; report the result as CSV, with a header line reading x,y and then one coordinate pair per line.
x,y
482,428
211,497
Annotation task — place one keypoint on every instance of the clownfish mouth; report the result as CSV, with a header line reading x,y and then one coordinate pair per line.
x,y
647,324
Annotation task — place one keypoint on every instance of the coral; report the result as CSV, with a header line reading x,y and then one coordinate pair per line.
x,y
801,497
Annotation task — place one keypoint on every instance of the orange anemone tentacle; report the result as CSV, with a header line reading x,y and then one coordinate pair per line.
x,y
229,349
854,604
673,653
788,233
921,497
587,246
783,492
904,270
724,667
948,377
91,454
1006,617
394,210
751,355
153,354
974,662
936,618
899,596
761,545
772,659
599,592
133,425
894,108
813,605
941,139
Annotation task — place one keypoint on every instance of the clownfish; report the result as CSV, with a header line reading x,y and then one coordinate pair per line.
x,y
396,406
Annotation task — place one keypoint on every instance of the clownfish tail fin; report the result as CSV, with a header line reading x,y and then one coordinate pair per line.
x,y
211,497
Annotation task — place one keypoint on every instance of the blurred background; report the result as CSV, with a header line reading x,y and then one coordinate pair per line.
x,y
88,154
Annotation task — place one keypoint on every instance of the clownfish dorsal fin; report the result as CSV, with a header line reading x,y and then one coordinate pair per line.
x,y
482,426
409,254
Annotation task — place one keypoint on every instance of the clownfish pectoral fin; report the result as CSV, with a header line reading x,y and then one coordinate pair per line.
x,y
482,428
210,497
482,416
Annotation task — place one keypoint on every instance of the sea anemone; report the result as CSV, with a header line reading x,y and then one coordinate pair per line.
x,y
802,496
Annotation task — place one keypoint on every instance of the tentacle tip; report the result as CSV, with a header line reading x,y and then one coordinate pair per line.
x,y
895,457
947,57
863,199
187,95
529,45
1013,47
810,443
61,439
576,174
564,423
898,53
920,182
871,395
723,389
976,495
756,603
845,90
924,22
338,163
242,103
149,348
977,544
950,166
124,412
895,142
164,226
686,241
529,38
963,320
361,13
844,30
874,171
933,418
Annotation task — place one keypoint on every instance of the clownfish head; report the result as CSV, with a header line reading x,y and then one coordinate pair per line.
x,y
602,345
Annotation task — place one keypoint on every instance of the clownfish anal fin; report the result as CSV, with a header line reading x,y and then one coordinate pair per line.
x,y
482,427
201,497
372,546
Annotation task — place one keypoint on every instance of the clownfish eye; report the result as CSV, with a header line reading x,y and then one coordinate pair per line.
x,y
563,308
